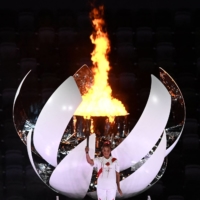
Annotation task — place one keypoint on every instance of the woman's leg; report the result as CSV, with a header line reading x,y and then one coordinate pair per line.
x,y
111,194
101,194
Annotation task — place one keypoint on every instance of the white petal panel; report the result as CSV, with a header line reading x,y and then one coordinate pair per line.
x,y
148,128
73,174
29,136
54,118
146,173
18,89
178,109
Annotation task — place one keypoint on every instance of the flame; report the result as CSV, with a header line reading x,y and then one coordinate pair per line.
x,y
98,101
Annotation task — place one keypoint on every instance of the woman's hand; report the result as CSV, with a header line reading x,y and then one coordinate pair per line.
x,y
89,160
119,190
86,149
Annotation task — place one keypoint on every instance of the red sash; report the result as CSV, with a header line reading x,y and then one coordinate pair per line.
x,y
99,173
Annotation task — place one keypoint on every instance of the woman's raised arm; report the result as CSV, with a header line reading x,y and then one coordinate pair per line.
x,y
89,160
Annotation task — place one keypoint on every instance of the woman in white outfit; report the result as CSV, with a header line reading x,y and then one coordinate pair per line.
x,y
107,173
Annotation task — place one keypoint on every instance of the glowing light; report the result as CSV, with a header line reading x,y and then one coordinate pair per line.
x,y
70,108
155,99
98,101
64,107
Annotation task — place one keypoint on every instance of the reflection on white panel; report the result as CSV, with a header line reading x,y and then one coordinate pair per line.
x,y
148,128
54,118
73,174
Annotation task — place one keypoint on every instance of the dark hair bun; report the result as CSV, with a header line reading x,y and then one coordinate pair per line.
x,y
107,143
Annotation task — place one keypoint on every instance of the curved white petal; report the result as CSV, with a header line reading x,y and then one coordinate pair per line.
x,y
19,88
146,173
157,177
29,136
29,140
54,118
73,174
148,129
19,117
178,109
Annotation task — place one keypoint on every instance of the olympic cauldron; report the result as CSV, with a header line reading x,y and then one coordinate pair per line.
x,y
58,137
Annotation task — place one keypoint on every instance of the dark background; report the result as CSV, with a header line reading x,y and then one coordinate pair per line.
x,y
52,39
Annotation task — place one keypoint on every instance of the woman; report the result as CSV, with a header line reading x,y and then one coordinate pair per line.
x,y
107,173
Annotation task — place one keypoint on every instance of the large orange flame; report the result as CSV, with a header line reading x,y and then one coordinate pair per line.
x,y
98,101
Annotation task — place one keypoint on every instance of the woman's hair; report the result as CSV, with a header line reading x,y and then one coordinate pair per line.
x,y
107,144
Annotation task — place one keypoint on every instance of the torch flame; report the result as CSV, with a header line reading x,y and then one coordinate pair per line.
x,y
98,101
